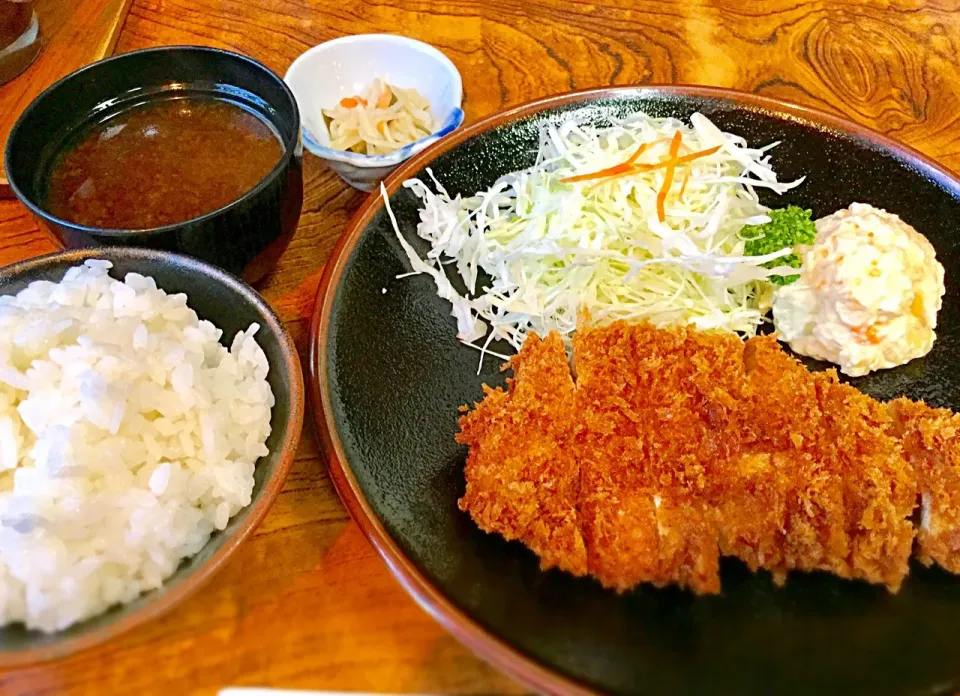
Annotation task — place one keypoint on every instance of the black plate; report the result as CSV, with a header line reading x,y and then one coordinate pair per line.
x,y
390,375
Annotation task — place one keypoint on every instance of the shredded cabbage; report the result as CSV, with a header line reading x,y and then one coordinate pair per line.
x,y
555,252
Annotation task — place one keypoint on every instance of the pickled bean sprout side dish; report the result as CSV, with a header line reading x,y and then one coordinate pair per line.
x,y
382,119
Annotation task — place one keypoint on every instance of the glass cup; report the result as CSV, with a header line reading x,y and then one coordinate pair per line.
x,y
19,37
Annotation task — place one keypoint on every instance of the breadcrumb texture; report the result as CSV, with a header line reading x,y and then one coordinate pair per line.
x,y
675,447
522,472
931,440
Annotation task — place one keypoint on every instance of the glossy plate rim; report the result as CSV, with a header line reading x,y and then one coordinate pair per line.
x,y
458,623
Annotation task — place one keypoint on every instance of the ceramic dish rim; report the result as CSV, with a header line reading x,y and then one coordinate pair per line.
x,y
453,121
258,509
456,621
392,159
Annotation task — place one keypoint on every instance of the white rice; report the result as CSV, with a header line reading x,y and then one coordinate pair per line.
x,y
128,434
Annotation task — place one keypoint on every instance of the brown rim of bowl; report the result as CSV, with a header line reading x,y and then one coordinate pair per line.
x,y
166,601
452,618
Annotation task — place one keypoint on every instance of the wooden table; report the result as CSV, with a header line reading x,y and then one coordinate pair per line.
x,y
306,603
73,34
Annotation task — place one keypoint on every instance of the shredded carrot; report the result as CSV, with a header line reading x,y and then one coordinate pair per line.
x,y
640,150
668,176
608,179
383,101
351,102
676,160
621,168
683,186
675,143
643,167
616,170
382,127
626,172
631,167
697,155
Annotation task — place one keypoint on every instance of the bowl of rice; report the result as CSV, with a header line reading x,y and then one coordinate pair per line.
x,y
371,101
150,408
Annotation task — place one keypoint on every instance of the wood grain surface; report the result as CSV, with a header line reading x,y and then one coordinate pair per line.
x,y
72,34
306,603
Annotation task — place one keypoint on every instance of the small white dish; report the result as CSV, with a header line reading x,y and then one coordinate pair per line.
x,y
327,73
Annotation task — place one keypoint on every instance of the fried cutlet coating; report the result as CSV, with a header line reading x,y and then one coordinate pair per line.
x,y
522,473
849,492
677,446
617,489
931,441
879,484
750,499
783,419
654,406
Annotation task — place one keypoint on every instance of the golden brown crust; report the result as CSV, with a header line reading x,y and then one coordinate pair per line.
x,y
654,407
850,492
617,493
931,440
685,445
782,419
522,475
878,483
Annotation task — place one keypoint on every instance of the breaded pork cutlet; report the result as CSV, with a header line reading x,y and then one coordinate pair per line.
x,y
931,442
781,424
848,491
617,496
523,476
655,409
738,446
879,484
675,447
